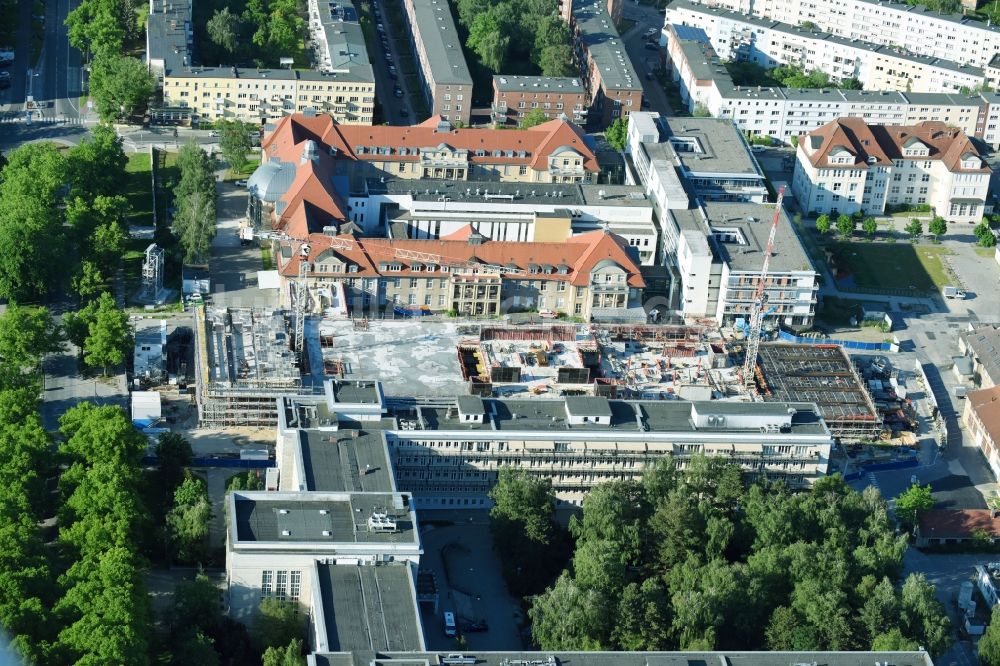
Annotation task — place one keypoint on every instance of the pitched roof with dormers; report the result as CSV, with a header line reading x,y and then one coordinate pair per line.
x,y
579,255
879,145
531,147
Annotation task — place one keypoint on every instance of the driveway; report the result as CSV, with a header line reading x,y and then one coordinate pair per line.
x,y
234,267
477,590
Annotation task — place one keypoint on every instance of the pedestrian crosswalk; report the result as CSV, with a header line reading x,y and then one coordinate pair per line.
x,y
43,120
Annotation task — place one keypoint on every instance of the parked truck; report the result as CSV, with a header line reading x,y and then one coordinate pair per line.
x,y
953,292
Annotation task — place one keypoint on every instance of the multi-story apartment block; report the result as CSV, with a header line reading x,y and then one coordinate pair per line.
x,y
591,276
342,86
614,89
516,96
708,154
718,249
306,156
929,33
784,113
443,72
770,43
848,166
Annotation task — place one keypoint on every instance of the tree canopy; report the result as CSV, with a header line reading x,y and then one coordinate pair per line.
x,y
26,334
120,85
520,32
235,141
533,118
194,222
696,560
912,502
617,134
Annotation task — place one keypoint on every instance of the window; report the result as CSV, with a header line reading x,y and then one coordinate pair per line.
x,y
296,586
279,592
265,584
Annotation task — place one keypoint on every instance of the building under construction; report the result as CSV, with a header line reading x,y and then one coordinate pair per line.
x,y
244,364
822,374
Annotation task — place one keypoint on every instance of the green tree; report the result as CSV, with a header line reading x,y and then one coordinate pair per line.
x,y
989,644
235,141
188,520
194,647
923,616
194,222
617,134
120,86
915,227
96,166
31,235
701,111
98,26
224,29
568,617
985,234
557,60
870,226
489,39
26,335
894,641
109,337
196,604
533,118
914,501
290,655
823,223
173,452
278,624
100,434
845,225
938,226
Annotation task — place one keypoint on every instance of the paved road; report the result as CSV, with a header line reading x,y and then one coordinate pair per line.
x,y
234,267
65,387
12,98
643,59
392,106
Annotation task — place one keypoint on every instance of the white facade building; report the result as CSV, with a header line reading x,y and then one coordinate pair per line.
x,y
849,166
783,113
770,43
949,36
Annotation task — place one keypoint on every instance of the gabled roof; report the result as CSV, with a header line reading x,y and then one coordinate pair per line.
x,y
537,143
881,144
581,254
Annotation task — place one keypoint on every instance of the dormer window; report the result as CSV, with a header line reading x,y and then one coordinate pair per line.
x,y
480,152
353,268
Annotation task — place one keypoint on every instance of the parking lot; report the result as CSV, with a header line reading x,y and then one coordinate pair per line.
x,y
458,550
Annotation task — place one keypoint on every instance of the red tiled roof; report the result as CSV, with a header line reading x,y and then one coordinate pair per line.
x,y
886,143
580,254
538,142
957,523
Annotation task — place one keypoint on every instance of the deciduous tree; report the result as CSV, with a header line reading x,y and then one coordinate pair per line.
x,y
823,223
533,118
914,501
109,337
938,226
120,85
278,624
224,29
235,141
915,227
289,655
188,520
845,225
870,226
989,644
617,134
27,334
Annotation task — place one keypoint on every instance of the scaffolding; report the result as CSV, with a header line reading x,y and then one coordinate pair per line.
x,y
825,375
244,365
152,273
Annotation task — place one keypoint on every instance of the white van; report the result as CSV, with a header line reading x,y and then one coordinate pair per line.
x,y
450,630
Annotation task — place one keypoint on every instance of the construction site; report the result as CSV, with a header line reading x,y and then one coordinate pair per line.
x,y
244,363
823,374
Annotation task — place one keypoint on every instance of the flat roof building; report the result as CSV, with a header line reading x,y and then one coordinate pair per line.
x,y
515,96
613,85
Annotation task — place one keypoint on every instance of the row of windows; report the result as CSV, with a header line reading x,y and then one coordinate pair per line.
x,y
281,585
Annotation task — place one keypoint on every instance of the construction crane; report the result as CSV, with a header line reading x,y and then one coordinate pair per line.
x,y
757,311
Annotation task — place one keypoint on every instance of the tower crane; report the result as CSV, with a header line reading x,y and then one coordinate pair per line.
x,y
344,243
757,310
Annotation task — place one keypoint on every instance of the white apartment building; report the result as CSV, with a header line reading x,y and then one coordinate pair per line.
x,y
784,113
848,166
771,43
719,251
947,36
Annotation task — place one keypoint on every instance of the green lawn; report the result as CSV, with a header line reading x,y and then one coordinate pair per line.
x,y
265,258
139,189
838,311
251,165
889,266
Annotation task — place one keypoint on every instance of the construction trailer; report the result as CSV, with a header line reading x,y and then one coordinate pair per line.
x,y
823,374
244,365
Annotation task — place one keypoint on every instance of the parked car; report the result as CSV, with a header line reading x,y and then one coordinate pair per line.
x,y
380,27
650,32
4,79
397,91
214,133
392,71
240,183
